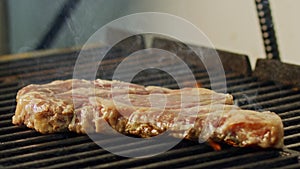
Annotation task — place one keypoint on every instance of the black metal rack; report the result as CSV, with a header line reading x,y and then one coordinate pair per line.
x,y
267,29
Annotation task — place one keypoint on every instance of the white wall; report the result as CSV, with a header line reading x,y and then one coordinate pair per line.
x,y
231,24
287,25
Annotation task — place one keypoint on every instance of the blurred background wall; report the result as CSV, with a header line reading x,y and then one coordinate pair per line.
x,y
4,39
231,25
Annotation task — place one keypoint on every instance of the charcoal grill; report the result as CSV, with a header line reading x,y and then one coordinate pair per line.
x,y
24,148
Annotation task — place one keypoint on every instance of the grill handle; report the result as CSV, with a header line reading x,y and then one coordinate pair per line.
x,y
267,29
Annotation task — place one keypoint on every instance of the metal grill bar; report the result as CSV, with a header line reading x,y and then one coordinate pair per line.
x,y
238,160
177,153
5,123
7,102
8,115
285,107
272,162
295,146
289,114
292,166
7,109
273,95
49,154
40,147
30,140
292,129
10,129
275,102
262,88
210,159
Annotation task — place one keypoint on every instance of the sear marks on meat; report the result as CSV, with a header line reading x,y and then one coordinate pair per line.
x,y
192,113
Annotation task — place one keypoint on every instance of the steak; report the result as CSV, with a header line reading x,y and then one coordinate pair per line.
x,y
193,113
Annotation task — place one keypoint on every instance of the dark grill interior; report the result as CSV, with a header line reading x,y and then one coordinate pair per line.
x,y
23,147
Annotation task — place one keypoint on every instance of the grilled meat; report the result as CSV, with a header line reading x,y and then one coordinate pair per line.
x,y
193,113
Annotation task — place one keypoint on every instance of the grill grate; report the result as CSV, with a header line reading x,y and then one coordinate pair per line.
x,y
22,147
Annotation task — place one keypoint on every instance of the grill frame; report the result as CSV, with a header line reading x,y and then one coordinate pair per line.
x,y
22,147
